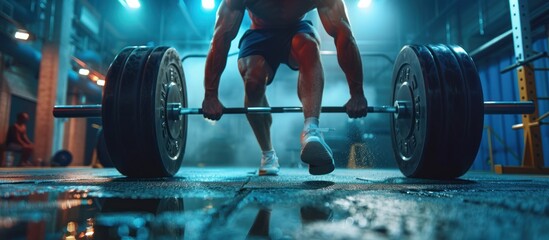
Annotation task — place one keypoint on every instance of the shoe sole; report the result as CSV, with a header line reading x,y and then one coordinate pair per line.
x,y
319,159
268,172
321,170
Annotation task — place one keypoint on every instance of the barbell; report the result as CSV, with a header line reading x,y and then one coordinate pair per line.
x,y
436,124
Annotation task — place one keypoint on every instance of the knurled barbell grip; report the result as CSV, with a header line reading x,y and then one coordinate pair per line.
x,y
262,110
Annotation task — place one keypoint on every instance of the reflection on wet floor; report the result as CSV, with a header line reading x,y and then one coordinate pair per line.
x,y
75,215
215,204
261,226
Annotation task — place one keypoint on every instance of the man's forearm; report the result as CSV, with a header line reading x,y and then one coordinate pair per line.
x,y
350,62
229,17
27,140
215,64
21,141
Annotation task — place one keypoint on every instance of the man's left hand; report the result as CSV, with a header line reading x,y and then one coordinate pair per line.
x,y
357,107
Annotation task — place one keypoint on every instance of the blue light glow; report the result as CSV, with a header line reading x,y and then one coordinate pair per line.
x,y
132,4
135,4
364,3
208,4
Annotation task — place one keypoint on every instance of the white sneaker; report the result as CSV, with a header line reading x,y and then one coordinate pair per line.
x,y
315,152
269,165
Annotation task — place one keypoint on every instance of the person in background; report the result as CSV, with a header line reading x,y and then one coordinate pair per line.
x,y
17,139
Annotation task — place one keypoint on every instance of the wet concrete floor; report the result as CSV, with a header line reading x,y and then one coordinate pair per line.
x,y
234,203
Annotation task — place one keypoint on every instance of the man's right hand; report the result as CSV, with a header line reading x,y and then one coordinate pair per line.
x,y
357,106
212,108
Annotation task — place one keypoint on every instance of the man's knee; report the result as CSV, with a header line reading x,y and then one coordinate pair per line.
x,y
305,47
255,90
256,73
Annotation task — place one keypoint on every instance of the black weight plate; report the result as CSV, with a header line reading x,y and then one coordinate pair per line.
x,y
127,115
147,140
165,136
476,104
450,161
417,135
108,109
102,152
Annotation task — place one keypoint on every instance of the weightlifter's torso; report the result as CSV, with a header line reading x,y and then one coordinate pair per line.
x,y
276,13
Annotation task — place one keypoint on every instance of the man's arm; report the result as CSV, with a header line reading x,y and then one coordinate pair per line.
x,y
21,136
229,18
333,16
26,138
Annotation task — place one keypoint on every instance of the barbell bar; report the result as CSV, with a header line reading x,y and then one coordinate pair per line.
x,y
436,126
490,107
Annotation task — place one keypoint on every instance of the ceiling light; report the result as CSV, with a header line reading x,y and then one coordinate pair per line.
x,y
135,4
100,82
208,4
84,72
364,3
22,35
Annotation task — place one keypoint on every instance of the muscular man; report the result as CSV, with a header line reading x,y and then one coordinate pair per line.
x,y
17,139
280,35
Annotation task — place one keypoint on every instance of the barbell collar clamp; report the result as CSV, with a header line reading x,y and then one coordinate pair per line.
x,y
401,108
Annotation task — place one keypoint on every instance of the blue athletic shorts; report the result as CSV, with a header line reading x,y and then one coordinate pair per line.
x,y
273,44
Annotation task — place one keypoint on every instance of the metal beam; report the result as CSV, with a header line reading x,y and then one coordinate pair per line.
x,y
184,10
537,14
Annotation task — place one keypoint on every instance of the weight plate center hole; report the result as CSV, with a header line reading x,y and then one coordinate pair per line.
x,y
173,100
404,119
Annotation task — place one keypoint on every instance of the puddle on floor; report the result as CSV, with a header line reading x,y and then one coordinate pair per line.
x,y
76,215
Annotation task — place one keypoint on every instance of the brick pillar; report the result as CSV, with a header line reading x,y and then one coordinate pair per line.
x,y
5,103
75,134
53,77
